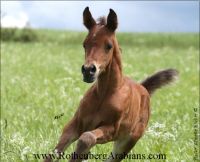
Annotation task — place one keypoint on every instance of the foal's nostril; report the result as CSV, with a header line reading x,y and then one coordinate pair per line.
x,y
93,68
88,70
83,69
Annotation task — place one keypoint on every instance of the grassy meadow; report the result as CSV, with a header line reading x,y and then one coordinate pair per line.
x,y
42,79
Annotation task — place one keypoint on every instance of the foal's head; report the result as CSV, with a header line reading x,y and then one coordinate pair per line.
x,y
99,44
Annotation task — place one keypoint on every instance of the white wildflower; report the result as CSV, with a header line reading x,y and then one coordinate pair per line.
x,y
17,138
46,81
158,130
77,89
63,93
187,69
158,125
177,94
24,152
168,135
13,81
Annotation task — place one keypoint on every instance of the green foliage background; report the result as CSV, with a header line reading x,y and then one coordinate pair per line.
x,y
42,79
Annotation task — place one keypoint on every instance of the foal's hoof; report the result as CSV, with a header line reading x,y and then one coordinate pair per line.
x,y
87,140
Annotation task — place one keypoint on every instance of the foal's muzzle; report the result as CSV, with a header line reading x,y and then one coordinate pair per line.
x,y
88,73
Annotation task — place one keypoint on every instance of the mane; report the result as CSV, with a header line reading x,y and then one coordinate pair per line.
x,y
101,20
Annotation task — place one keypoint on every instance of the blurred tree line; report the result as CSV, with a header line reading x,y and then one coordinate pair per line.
x,y
19,35
181,40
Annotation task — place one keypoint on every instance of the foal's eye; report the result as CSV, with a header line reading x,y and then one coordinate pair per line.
x,y
83,45
108,46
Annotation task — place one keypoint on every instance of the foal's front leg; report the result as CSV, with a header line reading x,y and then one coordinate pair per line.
x,y
88,139
69,135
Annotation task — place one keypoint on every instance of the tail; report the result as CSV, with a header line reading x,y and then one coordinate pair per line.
x,y
159,79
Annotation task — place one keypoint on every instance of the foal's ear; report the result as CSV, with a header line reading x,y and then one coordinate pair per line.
x,y
112,21
88,20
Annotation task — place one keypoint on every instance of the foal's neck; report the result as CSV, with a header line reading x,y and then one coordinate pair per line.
x,y
111,79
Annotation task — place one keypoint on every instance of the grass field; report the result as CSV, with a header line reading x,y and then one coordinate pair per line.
x,y
41,80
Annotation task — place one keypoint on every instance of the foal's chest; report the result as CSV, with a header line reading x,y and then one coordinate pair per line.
x,y
94,113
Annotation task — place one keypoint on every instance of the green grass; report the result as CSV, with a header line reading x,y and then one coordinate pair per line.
x,y
40,80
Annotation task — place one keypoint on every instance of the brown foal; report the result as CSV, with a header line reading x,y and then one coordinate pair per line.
x,y
115,108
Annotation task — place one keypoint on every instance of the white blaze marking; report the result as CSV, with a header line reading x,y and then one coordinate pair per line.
x,y
94,35
98,69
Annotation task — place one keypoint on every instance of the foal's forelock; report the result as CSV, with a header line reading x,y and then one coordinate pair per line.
x,y
101,20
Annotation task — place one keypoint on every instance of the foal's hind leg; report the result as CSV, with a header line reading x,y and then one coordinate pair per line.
x,y
123,146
